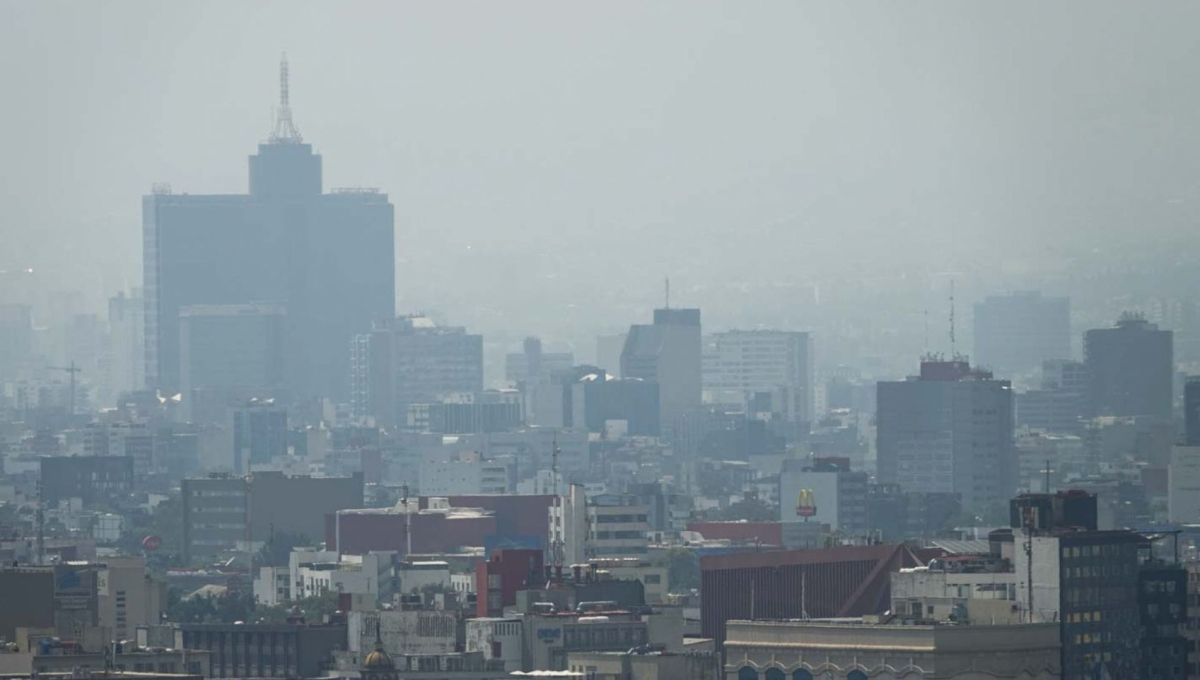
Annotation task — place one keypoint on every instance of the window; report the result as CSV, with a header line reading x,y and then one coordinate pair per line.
x,y
802,674
856,675
747,673
774,674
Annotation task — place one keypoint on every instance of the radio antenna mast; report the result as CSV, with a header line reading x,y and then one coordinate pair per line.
x,y
953,344
285,130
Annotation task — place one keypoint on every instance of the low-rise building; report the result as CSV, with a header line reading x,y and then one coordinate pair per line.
x,y
856,649
497,638
128,596
266,650
59,660
653,575
272,586
549,638
466,472
643,664
326,571
406,632
974,588
617,526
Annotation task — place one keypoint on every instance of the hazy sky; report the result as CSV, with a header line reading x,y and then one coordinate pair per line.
x,y
562,157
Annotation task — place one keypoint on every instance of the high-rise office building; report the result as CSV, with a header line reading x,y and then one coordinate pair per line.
x,y
260,433
608,352
411,360
1015,333
532,364
126,349
228,354
1191,411
1061,403
1085,579
327,257
741,363
950,429
1130,369
226,512
668,352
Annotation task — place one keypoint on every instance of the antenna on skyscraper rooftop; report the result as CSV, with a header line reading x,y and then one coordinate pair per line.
x,y
953,346
667,285
285,130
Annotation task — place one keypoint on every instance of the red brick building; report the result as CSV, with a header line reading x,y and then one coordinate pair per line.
x,y
498,580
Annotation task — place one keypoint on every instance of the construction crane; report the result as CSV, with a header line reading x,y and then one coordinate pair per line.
x,y
72,370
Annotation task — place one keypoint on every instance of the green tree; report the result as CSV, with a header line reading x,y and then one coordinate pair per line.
x,y
277,549
164,521
683,569
227,607
313,609
750,509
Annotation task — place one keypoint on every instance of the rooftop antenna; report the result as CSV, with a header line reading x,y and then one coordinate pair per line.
x,y
667,285
926,330
285,130
1029,561
953,345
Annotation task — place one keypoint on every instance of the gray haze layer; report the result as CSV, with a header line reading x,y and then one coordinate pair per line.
x,y
808,165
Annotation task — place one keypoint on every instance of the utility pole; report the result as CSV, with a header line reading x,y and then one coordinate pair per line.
x,y
1029,562
407,522
953,344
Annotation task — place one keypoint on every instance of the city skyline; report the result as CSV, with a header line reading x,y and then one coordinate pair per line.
x,y
775,341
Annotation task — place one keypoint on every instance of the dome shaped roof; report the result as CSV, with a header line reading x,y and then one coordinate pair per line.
x,y
378,660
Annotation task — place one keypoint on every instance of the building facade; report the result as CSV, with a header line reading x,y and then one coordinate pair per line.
x,y
949,430
669,353
1015,333
1131,369
411,360
738,364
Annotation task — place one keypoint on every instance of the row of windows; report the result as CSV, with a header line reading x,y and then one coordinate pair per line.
x,y
602,535
615,519
1104,570
1085,617
1093,551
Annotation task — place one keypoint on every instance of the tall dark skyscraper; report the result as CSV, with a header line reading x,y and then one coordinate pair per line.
x,y
327,258
1130,368
1015,333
